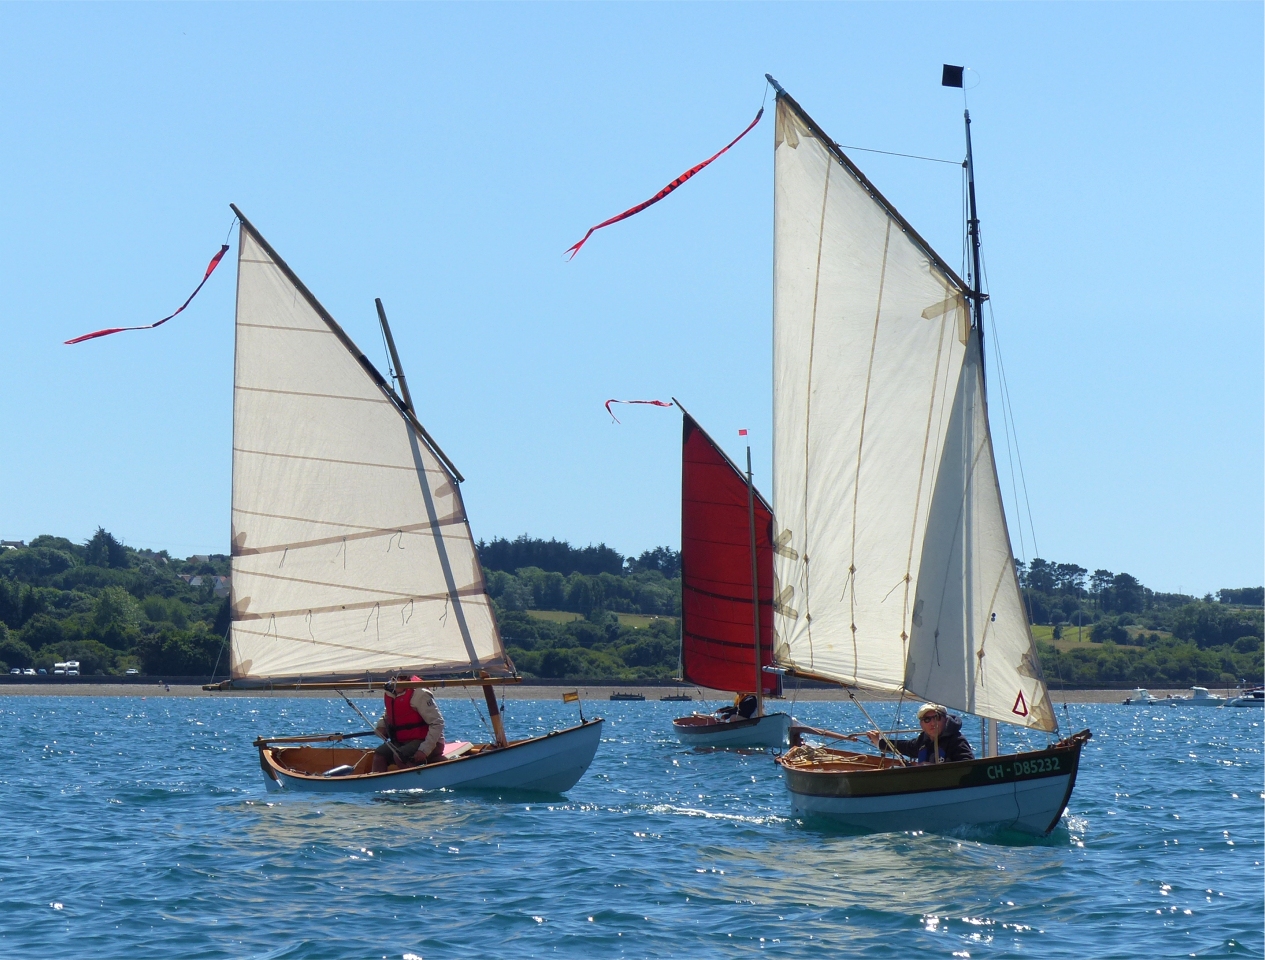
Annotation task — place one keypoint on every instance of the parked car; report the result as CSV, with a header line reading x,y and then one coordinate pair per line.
x,y
15,671
131,671
28,672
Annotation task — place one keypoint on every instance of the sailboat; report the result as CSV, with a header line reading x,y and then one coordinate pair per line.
x,y
726,621
893,567
352,563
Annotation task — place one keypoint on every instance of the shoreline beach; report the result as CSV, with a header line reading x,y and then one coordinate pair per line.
x,y
524,691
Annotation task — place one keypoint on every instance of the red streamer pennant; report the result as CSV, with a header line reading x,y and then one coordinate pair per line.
x,y
215,262
653,403
665,191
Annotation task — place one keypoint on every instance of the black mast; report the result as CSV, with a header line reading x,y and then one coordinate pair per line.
x,y
972,226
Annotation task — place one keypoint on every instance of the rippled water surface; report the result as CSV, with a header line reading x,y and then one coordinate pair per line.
x,y
140,828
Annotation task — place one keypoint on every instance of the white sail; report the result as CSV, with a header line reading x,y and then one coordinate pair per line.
x,y
971,648
869,339
351,553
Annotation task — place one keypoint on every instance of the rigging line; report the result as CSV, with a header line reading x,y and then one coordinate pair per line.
x,y
1008,426
911,156
390,369
1023,477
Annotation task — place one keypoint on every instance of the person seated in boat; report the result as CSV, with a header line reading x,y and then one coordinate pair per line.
x,y
743,708
412,724
940,741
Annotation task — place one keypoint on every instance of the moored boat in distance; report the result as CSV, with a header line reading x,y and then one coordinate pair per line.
x,y
1141,696
628,696
353,565
884,476
1252,697
1199,697
726,596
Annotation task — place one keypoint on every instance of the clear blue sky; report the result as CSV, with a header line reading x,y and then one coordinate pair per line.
x,y
443,158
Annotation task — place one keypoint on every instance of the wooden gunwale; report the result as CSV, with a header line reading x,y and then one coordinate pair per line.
x,y
272,766
837,775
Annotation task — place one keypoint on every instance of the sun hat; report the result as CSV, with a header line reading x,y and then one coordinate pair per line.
x,y
930,708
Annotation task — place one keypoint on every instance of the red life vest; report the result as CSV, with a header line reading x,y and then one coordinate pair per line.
x,y
403,722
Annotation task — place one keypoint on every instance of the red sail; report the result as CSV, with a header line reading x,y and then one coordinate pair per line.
x,y
717,627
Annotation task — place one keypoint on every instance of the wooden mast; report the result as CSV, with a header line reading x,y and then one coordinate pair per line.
x,y
489,695
755,591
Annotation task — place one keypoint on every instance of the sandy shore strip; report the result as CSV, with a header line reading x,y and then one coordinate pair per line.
x,y
523,691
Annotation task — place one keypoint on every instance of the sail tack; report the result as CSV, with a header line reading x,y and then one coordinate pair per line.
x,y
717,626
871,361
351,552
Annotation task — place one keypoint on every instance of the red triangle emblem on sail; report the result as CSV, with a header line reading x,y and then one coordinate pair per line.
x,y
1021,705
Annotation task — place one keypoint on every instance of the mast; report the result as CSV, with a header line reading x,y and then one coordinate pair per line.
x,y
755,591
989,731
395,357
972,228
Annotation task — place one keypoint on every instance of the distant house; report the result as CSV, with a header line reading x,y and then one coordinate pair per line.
x,y
221,586
199,558
186,577
12,544
195,581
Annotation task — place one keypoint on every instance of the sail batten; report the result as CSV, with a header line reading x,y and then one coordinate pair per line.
x,y
873,374
350,544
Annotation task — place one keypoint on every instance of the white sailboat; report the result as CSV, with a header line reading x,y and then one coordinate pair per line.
x,y
352,559
893,566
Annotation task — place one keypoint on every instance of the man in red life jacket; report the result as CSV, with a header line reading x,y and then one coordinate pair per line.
x,y
414,726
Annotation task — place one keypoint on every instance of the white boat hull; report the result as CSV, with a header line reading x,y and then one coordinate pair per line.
x,y
1026,792
703,731
549,764
1256,702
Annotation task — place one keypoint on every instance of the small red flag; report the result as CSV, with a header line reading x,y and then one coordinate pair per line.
x,y
742,433
653,403
215,262
666,190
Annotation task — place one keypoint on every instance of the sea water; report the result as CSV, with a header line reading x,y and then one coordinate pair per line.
x,y
138,828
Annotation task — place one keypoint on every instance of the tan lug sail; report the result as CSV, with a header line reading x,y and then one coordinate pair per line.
x,y
893,566
351,553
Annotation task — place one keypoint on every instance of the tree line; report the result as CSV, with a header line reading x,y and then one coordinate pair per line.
x,y
113,607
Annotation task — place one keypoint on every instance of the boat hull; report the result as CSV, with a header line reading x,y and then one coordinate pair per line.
x,y
1026,791
549,764
703,731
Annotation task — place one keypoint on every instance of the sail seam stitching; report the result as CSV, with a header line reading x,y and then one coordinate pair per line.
x,y
350,463
318,396
368,534
808,407
399,600
922,470
856,483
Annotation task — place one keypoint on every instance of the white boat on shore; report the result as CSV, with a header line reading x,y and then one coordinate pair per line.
x,y
1249,698
1199,697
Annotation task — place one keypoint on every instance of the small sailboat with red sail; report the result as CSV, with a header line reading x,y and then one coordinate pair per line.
x,y
726,596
